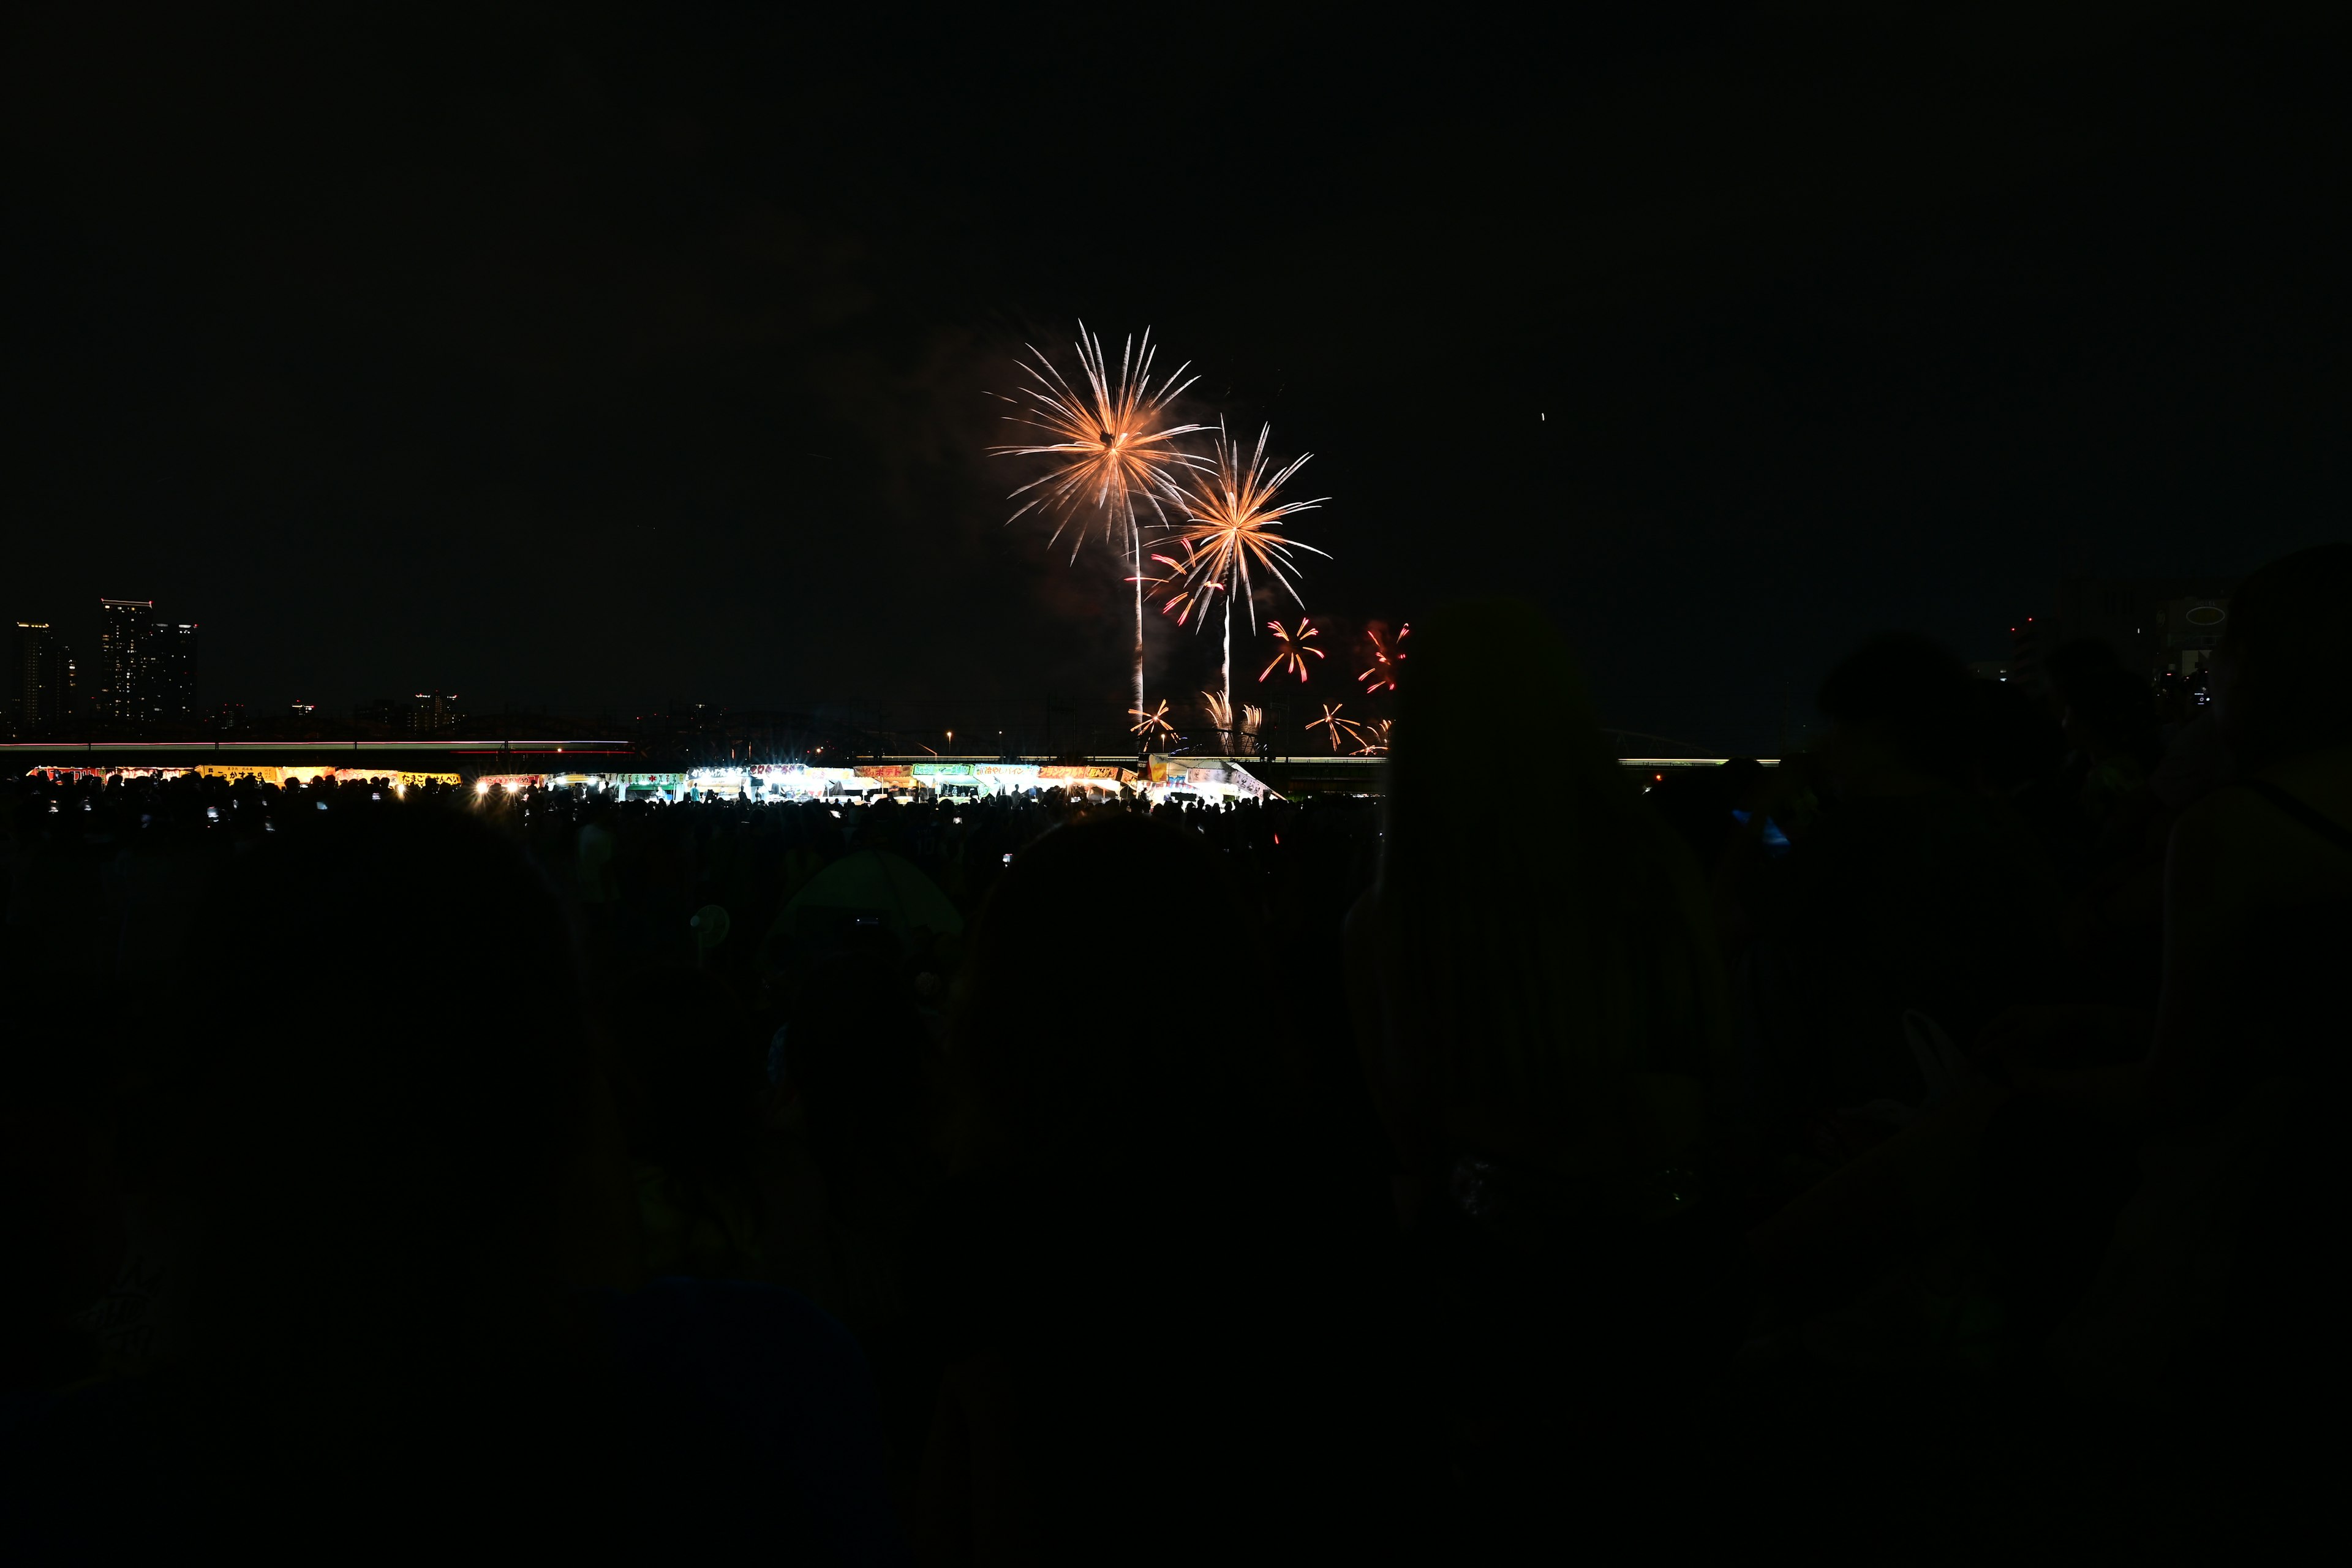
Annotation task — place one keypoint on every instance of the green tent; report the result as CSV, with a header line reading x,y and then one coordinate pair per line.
x,y
869,882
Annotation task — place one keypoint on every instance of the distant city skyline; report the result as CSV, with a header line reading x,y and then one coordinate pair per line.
x,y
147,670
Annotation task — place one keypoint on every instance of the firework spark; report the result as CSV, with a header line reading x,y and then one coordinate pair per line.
x,y
1291,649
1253,719
1340,728
1111,442
1179,595
1386,656
1375,738
1231,526
1152,723
1221,712
1230,520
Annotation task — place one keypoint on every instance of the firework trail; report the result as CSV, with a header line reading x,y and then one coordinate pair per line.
x,y
1231,526
1111,442
1386,656
1290,648
1337,726
1252,720
1375,738
1221,712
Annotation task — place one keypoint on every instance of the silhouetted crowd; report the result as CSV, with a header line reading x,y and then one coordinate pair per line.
x,y
1918,1149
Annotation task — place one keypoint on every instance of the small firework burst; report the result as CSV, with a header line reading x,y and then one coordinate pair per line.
x,y
1342,731
1152,723
1381,676
1292,649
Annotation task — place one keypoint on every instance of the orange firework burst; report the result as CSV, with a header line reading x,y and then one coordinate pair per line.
x,y
1154,722
1386,656
1111,442
1340,728
1375,738
1231,526
1291,649
1231,519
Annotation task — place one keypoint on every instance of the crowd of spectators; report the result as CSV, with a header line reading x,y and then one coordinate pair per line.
x,y
1919,1146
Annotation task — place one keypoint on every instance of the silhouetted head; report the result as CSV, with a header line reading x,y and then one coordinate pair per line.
x,y
1533,962
855,1050
2112,712
1743,780
691,1067
1907,697
2066,666
381,1101
2278,679
2018,742
1081,1035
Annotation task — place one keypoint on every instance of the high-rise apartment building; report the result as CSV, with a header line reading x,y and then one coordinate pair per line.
x,y
40,681
126,659
436,714
173,668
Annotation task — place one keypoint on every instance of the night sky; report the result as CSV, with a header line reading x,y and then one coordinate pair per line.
x,y
591,357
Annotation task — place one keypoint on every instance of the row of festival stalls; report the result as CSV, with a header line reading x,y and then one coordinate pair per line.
x,y
1163,778
1209,782
396,779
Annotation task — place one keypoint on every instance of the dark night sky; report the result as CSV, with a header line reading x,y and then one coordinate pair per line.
x,y
598,355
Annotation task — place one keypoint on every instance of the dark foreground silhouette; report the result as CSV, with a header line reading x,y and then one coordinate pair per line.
x,y
1925,1150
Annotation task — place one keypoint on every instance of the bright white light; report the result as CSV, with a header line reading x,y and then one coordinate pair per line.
x,y
836,816
483,787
